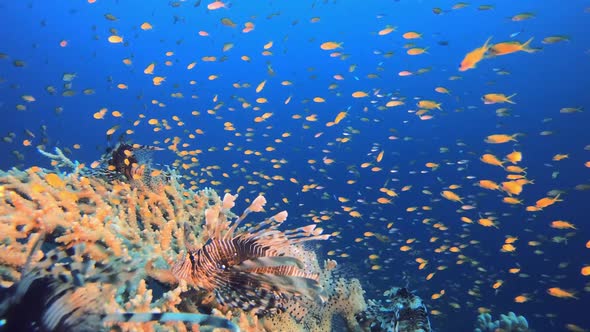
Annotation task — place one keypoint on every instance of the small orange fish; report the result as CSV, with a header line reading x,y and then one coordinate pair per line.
x,y
559,157
491,160
428,104
475,56
411,35
432,165
496,98
546,201
340,116
511,200
507,247
487,222
216,5
416,50
561,224
514,157
488,184
451,196
387,30
500,138
145,26
511,47
512,187
158,80
522,17
328,46
561,293
149,70
115,39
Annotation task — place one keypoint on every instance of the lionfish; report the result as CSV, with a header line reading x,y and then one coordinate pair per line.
x,y
252,268
60,294
126,162
403,311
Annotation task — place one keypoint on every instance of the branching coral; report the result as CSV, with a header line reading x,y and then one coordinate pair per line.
x,y
182,254
506,323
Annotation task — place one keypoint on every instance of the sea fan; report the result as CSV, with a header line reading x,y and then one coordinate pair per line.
x,y
251,269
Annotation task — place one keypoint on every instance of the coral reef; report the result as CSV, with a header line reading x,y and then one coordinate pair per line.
x,y
158,257
506,323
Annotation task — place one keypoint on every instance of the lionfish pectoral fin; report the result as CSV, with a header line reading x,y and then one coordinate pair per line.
x,y
303,286
273,261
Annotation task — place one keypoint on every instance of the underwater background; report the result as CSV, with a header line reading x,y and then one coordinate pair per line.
x,y
252,94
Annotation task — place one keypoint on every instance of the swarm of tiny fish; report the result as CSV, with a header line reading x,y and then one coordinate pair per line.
x,y
362,131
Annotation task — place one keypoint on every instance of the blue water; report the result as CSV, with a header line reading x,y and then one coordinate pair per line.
x,y
545,81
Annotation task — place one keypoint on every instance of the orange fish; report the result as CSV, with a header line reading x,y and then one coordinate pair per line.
x,y
428,104
412,35
500,138
487,222
521,299
511,47
514,157
491,160
546,201
473,57
511,200
559,157
488,184
115,39
216,5
512,187
561,224
496,98
328,46
558,292
145,26
451,196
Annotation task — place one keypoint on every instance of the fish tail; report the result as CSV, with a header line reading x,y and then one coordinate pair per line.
x,y
526,46
486,44
508,100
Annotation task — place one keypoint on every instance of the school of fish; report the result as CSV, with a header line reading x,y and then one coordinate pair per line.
x,y
416,178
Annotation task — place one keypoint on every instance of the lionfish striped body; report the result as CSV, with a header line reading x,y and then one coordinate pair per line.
x,y
252,269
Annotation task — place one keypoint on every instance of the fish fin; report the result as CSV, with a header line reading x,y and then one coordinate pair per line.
x,y
526,46
508,100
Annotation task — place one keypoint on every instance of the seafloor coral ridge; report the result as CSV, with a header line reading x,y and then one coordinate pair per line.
x,y
151,227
